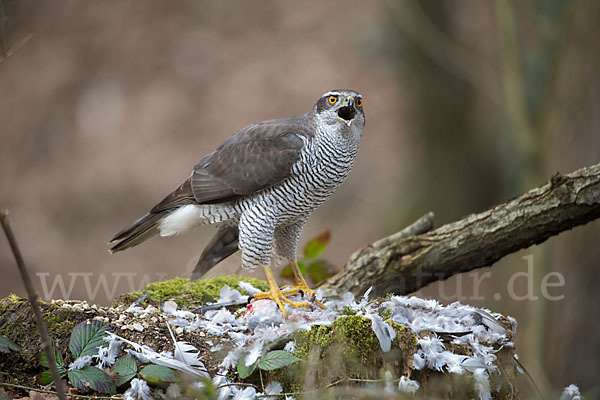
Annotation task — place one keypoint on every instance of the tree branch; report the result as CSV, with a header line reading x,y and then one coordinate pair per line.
x,y
402,265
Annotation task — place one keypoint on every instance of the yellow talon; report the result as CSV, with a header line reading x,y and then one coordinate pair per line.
x,y
277,295
302,287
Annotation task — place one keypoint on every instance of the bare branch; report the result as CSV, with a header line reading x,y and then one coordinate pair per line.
x,y
403,265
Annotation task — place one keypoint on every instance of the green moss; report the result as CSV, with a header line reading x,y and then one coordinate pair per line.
x,y
12,299
405,338
186,293
18,324
58,325
347,311
386,313
318,335
353,331
357,333
346,349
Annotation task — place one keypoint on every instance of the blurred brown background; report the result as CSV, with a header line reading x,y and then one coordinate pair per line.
x,y
106,106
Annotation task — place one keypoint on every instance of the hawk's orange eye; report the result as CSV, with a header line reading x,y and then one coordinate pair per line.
x,y
332,99
359,101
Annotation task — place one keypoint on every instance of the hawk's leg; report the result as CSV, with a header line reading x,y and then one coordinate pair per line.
x,y
302,286
278,295
285,245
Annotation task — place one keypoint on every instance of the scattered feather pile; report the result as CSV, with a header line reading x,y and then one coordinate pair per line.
x,y
262,323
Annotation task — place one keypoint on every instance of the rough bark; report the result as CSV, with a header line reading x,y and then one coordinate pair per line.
x,y
401,264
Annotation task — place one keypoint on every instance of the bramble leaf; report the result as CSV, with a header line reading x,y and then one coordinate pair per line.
x,y
277,359
158,375
94,378
125,368
87,337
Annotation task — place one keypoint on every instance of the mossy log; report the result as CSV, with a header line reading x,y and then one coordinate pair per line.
x,y
345,354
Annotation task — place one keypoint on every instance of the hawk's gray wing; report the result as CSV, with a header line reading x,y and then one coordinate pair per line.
x,y
254,158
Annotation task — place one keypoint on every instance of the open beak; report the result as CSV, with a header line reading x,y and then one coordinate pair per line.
x,y
347,112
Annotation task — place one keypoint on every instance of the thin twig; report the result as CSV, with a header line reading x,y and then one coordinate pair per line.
x,y
332,384
262,384
237,384
71,395
46,347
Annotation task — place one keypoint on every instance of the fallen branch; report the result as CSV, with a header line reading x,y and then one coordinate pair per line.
x,y
402,264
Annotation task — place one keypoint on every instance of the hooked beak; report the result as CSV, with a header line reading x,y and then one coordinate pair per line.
x,y
347,112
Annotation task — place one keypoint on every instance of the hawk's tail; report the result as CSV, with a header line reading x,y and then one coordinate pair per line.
x,y
222,245
138,232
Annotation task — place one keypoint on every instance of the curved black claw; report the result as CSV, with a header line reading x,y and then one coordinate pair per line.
x,y
301,292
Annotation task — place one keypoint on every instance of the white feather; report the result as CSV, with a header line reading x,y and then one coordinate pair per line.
x,y
255,351
80,362
482,384
571,392
383,331
273,388
407,385
248,287
138,390
148,355
181,221
248,393
290,346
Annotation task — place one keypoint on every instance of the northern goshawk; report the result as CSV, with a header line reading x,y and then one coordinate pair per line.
x,y
259,187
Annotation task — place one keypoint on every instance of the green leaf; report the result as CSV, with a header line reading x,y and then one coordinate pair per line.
x,y
317,245
302,267
243,370
93,378
57,356
158,375
45,378
87,337
317,271
125,368
7,345
277,359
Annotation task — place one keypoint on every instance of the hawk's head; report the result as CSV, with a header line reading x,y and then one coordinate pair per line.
x,y
341,107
